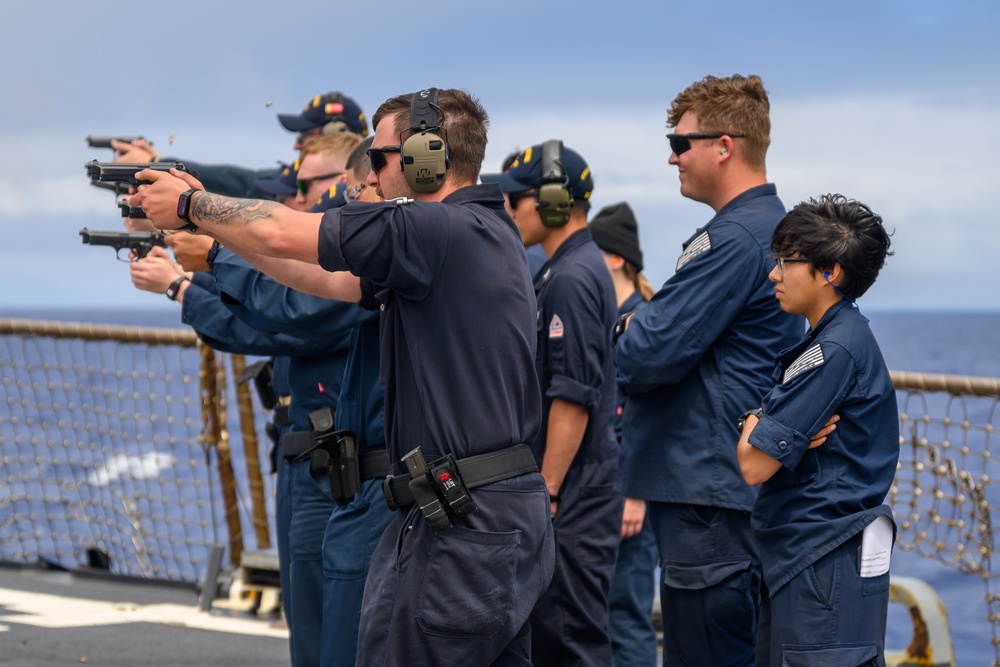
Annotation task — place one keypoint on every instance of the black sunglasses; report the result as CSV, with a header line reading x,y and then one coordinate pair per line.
x,y
516,197
377,156
681,143
303,183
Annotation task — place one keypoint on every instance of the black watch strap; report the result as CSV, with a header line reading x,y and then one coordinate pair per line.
x,y
619,327
742,421
175,287
184,210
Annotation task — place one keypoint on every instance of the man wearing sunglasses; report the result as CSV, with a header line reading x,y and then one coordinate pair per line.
x,y
702,348
323,163
446,270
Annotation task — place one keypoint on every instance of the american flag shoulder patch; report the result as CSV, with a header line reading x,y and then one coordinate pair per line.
x,y
811,358
556,327
699,246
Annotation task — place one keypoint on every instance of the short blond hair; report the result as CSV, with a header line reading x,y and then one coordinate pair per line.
x,y
735,105
338,145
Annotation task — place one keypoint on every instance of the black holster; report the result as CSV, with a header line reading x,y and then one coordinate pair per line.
x,y
335,453
438,489
260,373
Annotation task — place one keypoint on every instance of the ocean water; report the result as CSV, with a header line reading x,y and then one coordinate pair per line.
x,y
932,342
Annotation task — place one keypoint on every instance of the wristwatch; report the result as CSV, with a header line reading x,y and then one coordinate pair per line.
x,y
620,325
175,288
184,210
742,421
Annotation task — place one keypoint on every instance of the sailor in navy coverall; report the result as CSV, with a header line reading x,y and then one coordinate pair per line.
x,y
315,376
575,448
449,275
352,530
822,602
703,349
342,541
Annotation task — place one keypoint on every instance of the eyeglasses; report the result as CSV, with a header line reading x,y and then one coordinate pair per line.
x,y
681,143
781,261
352,193
377,156
303,183
516,197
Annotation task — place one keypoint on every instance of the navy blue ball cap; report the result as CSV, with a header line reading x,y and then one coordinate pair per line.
x,y
525,173
324,109
333,197
284,184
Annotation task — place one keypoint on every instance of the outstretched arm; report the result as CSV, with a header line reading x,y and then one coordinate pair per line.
x,y
306,278
262,227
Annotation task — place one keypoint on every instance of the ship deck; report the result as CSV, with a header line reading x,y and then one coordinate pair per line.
x,y
51,617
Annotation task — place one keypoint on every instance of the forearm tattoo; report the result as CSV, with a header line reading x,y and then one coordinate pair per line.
x,y
208,207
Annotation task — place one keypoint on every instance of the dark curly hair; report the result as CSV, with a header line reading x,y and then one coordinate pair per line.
x,y
835,230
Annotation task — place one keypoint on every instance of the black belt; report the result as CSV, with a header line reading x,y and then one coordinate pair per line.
x,y
372,462
478,470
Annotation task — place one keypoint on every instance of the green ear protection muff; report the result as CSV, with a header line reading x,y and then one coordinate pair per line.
x,y
424,154
334,126
553,200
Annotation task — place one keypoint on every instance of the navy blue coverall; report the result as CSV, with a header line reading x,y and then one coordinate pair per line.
x,y
630,601
457,352
352,530
577,308
331,600
694,359
314,371
817,606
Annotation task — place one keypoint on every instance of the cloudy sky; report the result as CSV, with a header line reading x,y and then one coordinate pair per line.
x,y
894,103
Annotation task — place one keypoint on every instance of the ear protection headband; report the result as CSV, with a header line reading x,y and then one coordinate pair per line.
x,y
424,155
553,199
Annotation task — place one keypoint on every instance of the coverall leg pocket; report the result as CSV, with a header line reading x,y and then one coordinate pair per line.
x,y
457,600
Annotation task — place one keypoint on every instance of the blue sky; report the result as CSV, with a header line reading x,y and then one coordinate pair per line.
x,y
893,103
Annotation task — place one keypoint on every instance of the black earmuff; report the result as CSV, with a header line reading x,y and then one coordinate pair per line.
x,y
553,199
424,154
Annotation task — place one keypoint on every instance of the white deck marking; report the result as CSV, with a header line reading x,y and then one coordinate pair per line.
x,y
57,611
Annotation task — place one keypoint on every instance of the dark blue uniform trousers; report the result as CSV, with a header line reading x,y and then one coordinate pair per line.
x,y
282,521
309,508
826,616
352,533
709,585
569,624
462,596
633,637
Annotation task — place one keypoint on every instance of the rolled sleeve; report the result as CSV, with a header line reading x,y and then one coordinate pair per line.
x,y
331,256
782,443
573,391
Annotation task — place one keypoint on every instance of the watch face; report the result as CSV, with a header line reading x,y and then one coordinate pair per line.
x,y
182,206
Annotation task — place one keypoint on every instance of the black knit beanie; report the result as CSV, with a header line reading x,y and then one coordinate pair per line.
x,y
615,231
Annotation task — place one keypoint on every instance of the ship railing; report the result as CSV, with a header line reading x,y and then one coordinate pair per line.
x,y
120,449
943,498
126,449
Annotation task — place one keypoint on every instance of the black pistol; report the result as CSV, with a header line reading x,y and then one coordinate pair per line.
x,y
139,243
124,172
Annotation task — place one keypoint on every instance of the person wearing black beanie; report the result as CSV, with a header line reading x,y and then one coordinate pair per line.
x,y
633,637
616,233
